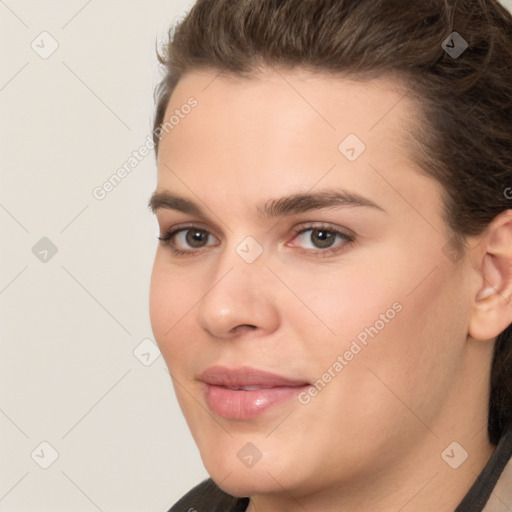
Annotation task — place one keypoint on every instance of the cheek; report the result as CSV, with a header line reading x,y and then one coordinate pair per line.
x,y
393,323
414,358
171,298
161,301
338,305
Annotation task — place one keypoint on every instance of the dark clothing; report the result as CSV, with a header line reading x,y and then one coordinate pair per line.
x,y
207,497
481,490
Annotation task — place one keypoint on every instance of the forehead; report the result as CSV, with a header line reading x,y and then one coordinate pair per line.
x,y
258,136
276,108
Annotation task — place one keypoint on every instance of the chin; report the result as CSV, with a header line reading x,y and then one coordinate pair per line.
x,y
249,484
234,477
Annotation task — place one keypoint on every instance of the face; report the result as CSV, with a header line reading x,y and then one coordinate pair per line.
x,y
303,293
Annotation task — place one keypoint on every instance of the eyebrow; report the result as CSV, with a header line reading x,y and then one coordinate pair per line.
x,y
290,205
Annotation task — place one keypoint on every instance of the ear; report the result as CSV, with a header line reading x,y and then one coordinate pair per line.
x,y
492,303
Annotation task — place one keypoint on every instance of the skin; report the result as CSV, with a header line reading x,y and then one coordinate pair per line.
x,y
372,439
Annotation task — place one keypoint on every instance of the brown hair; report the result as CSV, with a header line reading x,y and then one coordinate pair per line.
x,y
464,136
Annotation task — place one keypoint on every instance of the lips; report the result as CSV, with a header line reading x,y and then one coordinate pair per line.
x,y
243,393
246,376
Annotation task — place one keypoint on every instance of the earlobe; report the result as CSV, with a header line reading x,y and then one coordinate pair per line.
x,y
492,305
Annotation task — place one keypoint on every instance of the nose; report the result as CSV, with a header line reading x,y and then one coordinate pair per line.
x,y
239,298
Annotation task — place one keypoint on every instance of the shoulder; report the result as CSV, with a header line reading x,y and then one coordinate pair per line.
x,y
208,497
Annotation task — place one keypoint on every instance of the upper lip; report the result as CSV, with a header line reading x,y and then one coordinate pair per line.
x,y
246,376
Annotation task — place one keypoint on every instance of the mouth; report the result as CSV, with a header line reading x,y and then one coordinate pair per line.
x,y
244,393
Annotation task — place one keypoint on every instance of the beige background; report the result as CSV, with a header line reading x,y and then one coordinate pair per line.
x,y
71,370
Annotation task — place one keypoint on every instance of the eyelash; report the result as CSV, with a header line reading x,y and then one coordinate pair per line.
x,y
167,240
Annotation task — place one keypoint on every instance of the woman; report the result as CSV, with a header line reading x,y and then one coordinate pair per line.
x,y
332,289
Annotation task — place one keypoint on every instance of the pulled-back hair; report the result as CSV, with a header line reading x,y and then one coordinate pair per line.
x,y
464,136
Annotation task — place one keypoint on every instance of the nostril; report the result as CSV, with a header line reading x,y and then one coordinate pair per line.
x,y
244,328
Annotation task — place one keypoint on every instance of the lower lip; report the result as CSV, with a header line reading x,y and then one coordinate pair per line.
x,y
242,405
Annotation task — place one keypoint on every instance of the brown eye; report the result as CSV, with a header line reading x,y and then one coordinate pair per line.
x,y
322,238
187,240
196,238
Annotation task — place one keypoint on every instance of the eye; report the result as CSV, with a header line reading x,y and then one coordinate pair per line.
x,y
316,240
186,239
321,239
